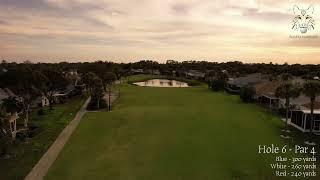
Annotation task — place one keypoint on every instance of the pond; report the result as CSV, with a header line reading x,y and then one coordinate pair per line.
x,y
162,83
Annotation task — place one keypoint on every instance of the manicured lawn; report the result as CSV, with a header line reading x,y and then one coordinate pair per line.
x,y
171,134
24,155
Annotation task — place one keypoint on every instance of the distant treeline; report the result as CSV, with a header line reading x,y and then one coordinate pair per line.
x,y
234,68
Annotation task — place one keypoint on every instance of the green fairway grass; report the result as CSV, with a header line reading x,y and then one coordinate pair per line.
x,y
24,155
171,134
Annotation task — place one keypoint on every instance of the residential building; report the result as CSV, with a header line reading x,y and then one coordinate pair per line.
x,y
301,117
13,124
235,84
41,101
137,71
195,74
265,94
5,93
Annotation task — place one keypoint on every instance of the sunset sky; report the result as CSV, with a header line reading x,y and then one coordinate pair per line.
x,y
131,30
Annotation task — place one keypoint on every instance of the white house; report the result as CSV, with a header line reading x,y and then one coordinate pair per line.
x,y
13,124
137,71
195,74
41,101
73,72
5,93
59,98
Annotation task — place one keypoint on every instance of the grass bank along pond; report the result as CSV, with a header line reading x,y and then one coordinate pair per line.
x,y
169,134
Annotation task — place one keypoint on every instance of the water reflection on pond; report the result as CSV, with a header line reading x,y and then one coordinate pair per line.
x,y
162,83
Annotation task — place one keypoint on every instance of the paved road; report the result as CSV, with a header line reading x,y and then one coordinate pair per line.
x,y
43,165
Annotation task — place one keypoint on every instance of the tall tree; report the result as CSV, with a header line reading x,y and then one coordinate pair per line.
x,y
118,73
55,81
87,79
97,93
288,90
11,105
219,81
25,83
108,79
209,76
312,90
95,86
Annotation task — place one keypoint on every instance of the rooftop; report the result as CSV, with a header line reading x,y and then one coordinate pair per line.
x,y
195,73
316,105
250,79
303,100
267,87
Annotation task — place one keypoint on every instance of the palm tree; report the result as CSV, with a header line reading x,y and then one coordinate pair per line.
x,y
97,92
108,79
288,90
209,76
219,81
54,81
88,81
95,86
312,90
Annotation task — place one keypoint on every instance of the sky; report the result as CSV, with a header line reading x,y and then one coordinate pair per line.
x,y
251,31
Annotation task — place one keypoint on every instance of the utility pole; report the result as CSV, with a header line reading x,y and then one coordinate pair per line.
x,y
109,97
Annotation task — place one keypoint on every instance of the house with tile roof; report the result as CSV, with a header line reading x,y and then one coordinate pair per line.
x,y
265,94
195,74
235,84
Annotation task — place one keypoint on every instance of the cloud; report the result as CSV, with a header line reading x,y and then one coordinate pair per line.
x,y
180,9
3,22
131,29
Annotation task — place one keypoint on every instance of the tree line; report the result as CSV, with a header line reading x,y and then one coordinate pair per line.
x,y
234,68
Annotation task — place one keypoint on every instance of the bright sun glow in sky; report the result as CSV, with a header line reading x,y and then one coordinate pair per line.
x,y
130,30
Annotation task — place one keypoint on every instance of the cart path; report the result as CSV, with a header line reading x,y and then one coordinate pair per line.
x,y
41,168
